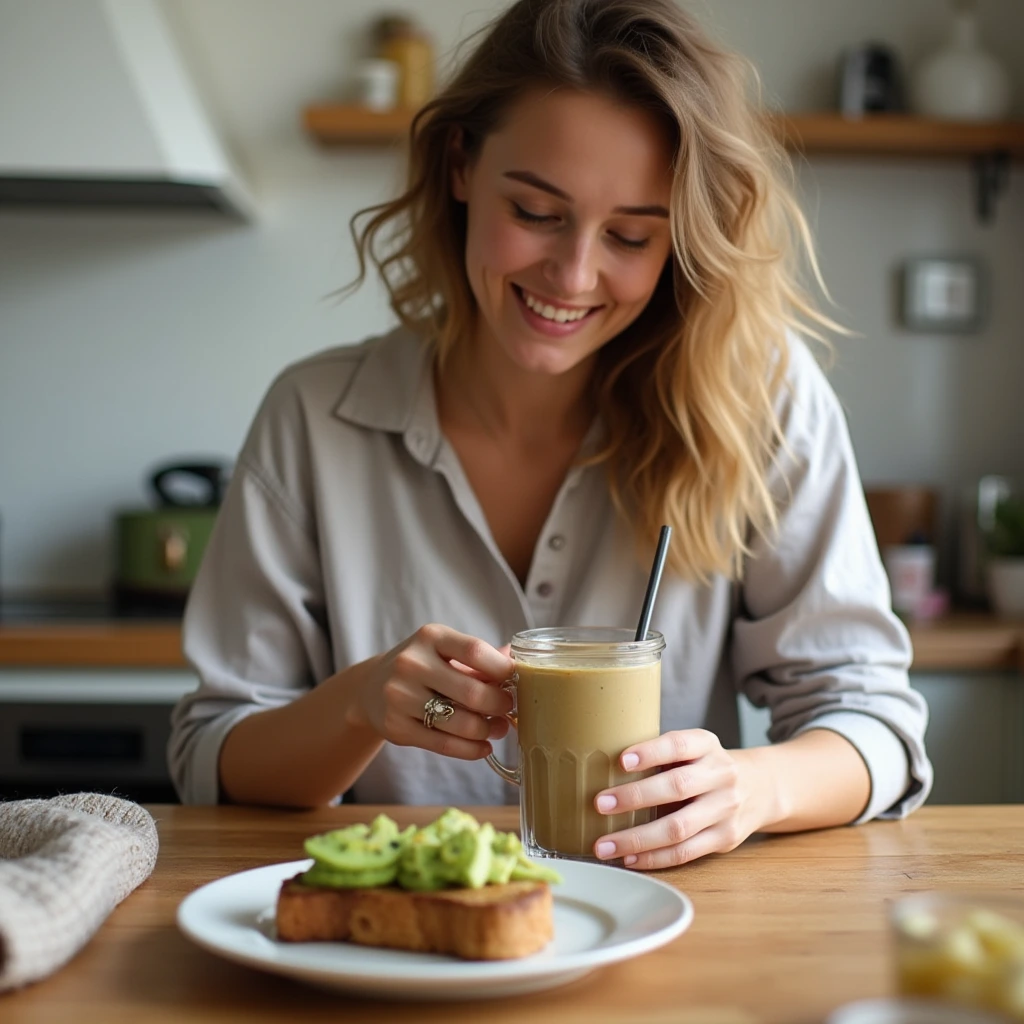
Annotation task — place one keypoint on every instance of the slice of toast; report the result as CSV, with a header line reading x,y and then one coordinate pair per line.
x,y
497,922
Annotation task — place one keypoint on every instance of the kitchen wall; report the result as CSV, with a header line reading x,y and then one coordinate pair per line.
x,y
127,338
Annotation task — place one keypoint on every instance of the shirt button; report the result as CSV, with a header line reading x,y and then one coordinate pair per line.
x,y
545,589
556,542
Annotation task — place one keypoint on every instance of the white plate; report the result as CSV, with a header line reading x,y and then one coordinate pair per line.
x,y
601,915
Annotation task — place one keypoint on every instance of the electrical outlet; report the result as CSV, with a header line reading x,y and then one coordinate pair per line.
x,y
943,294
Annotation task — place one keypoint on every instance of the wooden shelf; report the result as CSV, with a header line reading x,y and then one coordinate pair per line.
x,y
897,135
991,145
876,134
333,124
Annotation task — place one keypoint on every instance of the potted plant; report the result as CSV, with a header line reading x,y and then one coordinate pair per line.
x,y
1006,556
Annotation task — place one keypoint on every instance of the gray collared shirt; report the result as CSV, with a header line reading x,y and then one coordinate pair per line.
x,y
349,523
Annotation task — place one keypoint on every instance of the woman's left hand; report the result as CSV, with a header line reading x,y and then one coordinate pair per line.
x,y
706,799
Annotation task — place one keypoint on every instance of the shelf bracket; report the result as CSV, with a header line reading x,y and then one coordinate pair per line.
x,y
991,177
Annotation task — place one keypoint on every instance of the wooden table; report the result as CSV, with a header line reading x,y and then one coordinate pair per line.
x,y
787,928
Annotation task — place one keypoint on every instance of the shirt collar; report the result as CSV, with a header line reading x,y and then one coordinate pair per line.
x,y
392,390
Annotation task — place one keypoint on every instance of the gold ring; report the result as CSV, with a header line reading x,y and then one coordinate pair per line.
x,y
436,708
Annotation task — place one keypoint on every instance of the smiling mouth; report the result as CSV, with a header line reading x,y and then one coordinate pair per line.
x,y
554,314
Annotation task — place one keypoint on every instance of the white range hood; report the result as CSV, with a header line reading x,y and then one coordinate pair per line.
x,y
97,109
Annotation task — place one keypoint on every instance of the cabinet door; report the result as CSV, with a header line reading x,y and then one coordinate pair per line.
x,y
754,723
975,735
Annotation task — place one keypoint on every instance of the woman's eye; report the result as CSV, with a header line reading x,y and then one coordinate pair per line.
x,y
520,213
528,217
633,244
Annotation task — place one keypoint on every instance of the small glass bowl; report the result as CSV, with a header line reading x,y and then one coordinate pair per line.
x,y
961,948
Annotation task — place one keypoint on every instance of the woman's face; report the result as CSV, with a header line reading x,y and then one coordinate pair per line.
x,y
568,226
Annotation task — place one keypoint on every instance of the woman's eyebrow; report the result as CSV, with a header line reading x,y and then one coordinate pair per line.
x,y
529,178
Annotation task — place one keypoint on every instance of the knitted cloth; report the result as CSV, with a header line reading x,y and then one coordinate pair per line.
x,y
65,863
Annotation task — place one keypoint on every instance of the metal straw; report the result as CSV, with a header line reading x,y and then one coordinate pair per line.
x,y
652,583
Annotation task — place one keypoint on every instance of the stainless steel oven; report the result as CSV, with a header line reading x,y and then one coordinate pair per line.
x,y
102,730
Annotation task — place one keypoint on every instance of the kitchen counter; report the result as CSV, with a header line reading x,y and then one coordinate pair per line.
x,y
786,928
968,641
959,642
111,644
88,633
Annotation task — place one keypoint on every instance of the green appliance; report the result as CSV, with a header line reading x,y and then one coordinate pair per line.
x,y
159,550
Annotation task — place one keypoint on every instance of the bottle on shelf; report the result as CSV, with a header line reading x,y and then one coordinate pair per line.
x,y
401,40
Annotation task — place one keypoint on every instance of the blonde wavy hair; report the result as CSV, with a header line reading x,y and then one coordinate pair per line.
x,y
687,392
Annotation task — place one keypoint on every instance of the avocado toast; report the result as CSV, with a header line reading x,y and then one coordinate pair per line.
x,y
455,887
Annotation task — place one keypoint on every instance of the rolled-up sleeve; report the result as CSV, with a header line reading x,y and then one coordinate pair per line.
x,y
815,639
254,627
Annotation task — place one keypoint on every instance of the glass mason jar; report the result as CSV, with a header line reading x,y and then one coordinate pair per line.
x,y
582,696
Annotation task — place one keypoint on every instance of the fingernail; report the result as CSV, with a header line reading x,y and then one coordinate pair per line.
x,y
629,859
630,761
606,803
606,849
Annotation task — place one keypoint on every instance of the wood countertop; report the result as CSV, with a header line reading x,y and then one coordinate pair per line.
x,y
107,643
962,641
786,929
971,641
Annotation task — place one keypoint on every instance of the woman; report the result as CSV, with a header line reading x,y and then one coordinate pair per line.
x,y
592,266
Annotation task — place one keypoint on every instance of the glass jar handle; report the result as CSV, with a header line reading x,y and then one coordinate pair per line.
x,y
513,775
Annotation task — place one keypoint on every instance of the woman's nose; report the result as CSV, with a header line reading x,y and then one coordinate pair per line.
x,y
572,269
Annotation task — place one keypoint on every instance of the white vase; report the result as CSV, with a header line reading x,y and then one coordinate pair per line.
x,y
1006,586
961,82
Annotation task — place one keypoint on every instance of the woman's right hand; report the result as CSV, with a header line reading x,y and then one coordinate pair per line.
x,y
438,661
